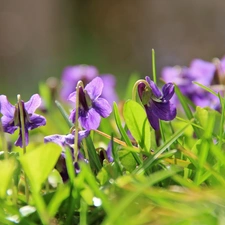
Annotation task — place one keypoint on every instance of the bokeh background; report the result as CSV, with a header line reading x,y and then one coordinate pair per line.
x,y
39,38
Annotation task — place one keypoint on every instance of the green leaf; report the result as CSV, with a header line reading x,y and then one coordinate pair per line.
x,y
127,160
7,167
93,156
137,122
39,162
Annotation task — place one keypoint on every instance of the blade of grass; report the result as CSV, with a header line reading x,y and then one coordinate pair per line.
x,y
123,132
126,201
64,114
186,108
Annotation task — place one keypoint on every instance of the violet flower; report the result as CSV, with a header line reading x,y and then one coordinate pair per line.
x,y
72,74
91,106
157,104
199,71
11,117
67,141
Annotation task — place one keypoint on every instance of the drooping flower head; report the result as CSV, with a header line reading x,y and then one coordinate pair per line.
x,y
199,71
91,106
11,117
157,104
67,141
72,74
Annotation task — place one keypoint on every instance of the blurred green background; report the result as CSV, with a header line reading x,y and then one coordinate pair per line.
x,y
39,38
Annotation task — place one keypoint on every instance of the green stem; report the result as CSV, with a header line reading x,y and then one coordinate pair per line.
x,y
134,90
79,84
41,208
153,66
21,112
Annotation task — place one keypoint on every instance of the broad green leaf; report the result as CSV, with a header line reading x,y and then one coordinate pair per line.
x,y
127,160
39,162
7,167
137,122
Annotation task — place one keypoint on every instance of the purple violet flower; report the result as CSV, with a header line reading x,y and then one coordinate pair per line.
x,y
91,106
72,74
67,141
157,104
199,71
11,117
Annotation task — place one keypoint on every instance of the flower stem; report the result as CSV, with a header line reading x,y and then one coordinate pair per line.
x,y
109,137
21,113
153,66
134,90
79,84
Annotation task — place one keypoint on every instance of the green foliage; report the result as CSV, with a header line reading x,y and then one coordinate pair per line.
x,y
39,162
172,176
138,125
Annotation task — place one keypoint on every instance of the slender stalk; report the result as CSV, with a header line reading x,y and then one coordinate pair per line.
x,y
22,122
153,66
134,90
155,81
109,137
76,124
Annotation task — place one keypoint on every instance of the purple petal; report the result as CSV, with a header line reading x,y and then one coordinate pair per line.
x,y
56,138
202,71
81,135
8,124
69,138
168,91
35,121
19,141
80,72
164,111
102,107
109,152
152,118
91,121
6,108
94,88
72,74
33,103
72,97
72,116
155,89
141,88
